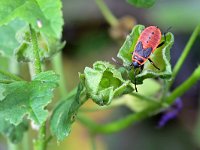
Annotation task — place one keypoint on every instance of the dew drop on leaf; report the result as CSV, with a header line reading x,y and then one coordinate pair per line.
x,y
39,23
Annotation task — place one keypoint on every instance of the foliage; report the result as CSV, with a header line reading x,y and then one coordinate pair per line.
x,y
31,11
14,133
104,82
22,98
30,32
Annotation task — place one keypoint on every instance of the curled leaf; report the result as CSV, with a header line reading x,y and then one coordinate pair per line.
x,y
48,46
65,112
103,82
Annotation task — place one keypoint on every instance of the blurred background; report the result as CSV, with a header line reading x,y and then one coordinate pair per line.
x,y
90,38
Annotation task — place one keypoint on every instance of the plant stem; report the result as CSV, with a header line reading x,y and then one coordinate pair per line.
x,y
142,97
110,18
114,104
117,125
10,75
117,103
40,143
37,63
181,89
124,122
185,53
58,68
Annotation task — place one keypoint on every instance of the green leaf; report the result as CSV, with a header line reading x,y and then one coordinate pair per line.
x,y
48,46
65,112
14,133
48,12
142,3
23,98
103,82
161,57
63,117
7,37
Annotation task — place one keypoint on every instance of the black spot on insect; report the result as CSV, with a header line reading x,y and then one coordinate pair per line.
x,y
152,32
149,37
147,41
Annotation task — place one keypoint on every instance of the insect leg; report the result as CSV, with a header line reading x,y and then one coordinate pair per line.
x,y
161,44
153,64
164,34
142,67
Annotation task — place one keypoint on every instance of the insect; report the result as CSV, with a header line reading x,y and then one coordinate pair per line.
x,y
148,41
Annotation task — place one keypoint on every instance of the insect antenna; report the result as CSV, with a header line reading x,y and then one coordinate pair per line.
x,y
135,80
164,34
117,62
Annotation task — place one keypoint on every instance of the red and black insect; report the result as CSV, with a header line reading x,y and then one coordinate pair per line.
x,y
148,42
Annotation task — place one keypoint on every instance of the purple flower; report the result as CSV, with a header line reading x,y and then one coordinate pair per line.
x,y
170,113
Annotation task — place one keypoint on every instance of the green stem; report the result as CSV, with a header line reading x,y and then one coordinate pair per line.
x,y
110,18
181,89
149,99
10,75
124,122
185,53
117,103
37,63
57,66
117,125
40,143
114,104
